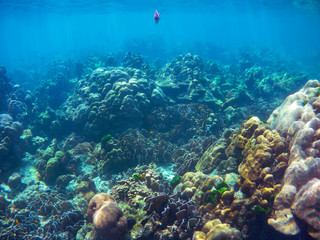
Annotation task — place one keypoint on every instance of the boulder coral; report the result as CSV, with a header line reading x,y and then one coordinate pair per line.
x,y
107,217
297,119
5,88
263,158
216,157
183,80
261,151
215,230
108,99
11,150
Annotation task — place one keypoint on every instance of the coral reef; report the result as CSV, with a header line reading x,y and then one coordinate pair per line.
x,y
139,133
170,217
215,157
215,230
107,217
11,146
298,121
41,214
140,186
264,159
107,100
183,81
5,87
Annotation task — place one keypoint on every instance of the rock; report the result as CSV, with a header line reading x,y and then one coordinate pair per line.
x,y
14,180
64,180
4,203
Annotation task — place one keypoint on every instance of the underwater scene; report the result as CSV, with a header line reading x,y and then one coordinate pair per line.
x,y
164,120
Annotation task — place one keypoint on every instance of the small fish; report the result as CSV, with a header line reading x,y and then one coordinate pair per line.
x,y
156,17
17,221
148,139
93,121
152,132
201,106
143,175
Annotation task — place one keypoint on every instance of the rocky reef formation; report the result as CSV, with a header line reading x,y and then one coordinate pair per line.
x,y
5,87
11,146
108,100
217,158
123,122
183,80
107,217
297,119
236,200
39,213
180,218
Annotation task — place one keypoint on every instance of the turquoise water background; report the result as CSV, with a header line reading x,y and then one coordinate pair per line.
x,y
38,32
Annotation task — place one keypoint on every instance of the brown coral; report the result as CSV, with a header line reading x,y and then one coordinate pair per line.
x,y
107,217
260,151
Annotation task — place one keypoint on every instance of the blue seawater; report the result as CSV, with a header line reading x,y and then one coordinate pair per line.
x,y
37,32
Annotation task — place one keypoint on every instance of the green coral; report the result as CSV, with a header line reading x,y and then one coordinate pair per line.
x,y
222,185
272,198
217,193
106,138
175,181
136,176
221,191
260,210
212,198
